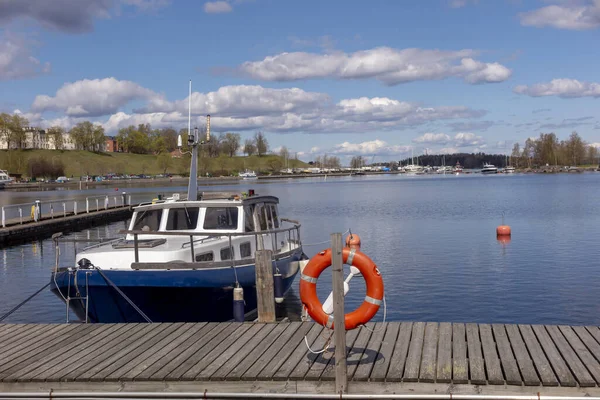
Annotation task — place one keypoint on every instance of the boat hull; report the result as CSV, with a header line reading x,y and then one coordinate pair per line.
x,y
164,295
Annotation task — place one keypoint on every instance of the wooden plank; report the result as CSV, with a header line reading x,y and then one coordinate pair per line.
x,y
26,351
238,345
215,352
298,356
444,355
509,364
413,361
460,366
339,335
61,363
323,359
95,332
525,363
285,343
594,331
355,354
12,332
104,358
23,334
558,364
490,355
235,367
476,364
67,370
398,360
125,362
265,296
328,372
372,353
566,352
210,330
428,359
382,364
212,340
586,348
542,365
162,352
324,339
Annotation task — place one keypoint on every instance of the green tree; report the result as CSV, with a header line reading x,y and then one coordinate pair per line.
x,y
516,155
231,143
88,136
14,130
56,133
262,145
575,147
165,161
249,147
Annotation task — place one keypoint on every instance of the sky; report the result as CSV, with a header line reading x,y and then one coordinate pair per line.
x,y
374,78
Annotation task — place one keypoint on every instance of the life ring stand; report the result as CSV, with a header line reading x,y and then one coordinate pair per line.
x,y
373,299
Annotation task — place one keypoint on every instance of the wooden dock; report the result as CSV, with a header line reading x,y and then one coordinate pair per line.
x,y
425,358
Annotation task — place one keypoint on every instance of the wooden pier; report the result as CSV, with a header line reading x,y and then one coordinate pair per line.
x,y
407,357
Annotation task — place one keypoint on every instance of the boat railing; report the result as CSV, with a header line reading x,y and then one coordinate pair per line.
x,y
293,236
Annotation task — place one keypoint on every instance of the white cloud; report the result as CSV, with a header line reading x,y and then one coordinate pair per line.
x,y
575,15
432,138
16,59
217,7
461,3
73,16
373,147
596,145
388,65
448,150
92,98
465,139
565,88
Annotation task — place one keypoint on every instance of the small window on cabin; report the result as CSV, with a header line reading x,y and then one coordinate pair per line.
x,y
245,250
181,219
262,217
205,257
274,216
248,219
226,253
148,221
222,218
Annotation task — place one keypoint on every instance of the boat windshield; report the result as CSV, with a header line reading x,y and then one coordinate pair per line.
x,y
222,218
148,221
184,218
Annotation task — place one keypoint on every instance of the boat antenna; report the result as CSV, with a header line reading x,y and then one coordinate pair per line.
x,y
193,143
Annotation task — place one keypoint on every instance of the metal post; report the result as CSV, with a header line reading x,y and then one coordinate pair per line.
x,y
20,215
192,247
87,295
97,206
265,293
64,209
341,370
51,211
106,203
135,247
75,207
3,218
123,198
129,200
87,205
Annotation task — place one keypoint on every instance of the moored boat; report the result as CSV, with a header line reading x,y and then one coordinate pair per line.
x,y
489,169
5,179
248,175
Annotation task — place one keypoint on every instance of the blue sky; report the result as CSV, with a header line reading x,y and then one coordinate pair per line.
x,y
320,77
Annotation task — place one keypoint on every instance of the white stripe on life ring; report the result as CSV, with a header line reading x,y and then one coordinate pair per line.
x,y
308,279
371,300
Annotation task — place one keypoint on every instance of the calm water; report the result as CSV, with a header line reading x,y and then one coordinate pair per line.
x,y
433,238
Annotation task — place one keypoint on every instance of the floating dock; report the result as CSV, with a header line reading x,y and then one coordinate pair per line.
x,y
383,358
16,232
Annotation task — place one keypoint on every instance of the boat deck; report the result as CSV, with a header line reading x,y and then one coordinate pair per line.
x,y
383,357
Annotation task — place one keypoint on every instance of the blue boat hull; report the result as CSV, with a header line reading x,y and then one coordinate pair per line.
x,y
164,295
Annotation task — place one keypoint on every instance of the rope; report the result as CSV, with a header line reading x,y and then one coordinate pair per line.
x,y
384,317
23,302
124,295
325,348
324,242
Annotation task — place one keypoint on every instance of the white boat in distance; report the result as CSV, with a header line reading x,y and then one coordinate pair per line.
x,y
509,170
489,169
5,179
248,175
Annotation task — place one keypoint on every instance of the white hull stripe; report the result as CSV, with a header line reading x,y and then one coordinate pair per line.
x,y
371,300
308,279
351,256
329,323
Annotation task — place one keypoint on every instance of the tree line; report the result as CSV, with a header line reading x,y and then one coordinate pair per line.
x,y
547,149
467,160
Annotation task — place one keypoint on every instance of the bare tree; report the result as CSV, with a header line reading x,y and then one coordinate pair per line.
x,y
231,143
262,145
57,132
249,147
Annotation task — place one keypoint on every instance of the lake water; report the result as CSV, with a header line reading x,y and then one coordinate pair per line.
x,y
433,238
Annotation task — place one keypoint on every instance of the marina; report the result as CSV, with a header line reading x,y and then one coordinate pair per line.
x,y
383,358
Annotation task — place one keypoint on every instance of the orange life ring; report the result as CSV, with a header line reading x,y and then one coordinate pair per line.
x,y
368,269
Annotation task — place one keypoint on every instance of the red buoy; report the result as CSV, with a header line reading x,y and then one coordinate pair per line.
x,y
353,241
503,230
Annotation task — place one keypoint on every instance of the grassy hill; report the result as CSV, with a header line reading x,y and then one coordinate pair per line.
x,y
79,163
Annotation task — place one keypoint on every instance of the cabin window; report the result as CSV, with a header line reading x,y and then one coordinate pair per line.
x,y
148,221
182,218
221,218
245,250
262,217
248,219
205,257
274,216
226,253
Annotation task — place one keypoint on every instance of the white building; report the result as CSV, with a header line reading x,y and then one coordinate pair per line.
x,y
36,138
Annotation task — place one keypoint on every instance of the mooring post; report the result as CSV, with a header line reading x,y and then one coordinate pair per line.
x,y
265,294
339,325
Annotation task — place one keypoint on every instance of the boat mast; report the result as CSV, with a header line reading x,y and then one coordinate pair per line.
x,y
193,142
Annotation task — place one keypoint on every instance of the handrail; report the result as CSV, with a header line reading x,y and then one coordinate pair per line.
x,y
194,233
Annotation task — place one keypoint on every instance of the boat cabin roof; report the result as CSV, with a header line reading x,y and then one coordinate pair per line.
x,y
211,201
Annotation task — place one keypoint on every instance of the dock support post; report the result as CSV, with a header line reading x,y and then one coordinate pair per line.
x,y
265,294
339,325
